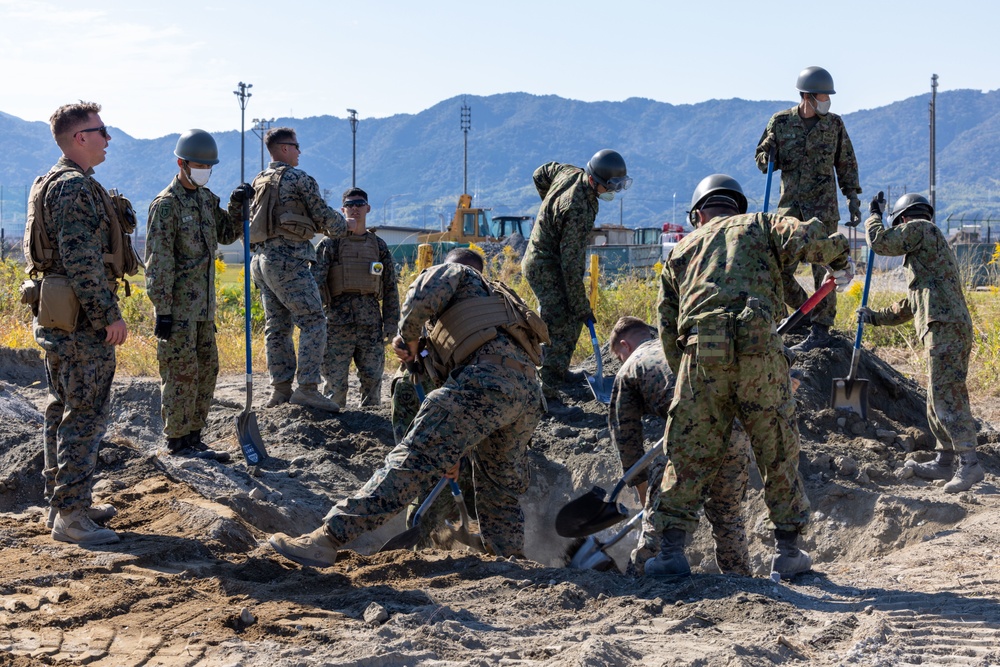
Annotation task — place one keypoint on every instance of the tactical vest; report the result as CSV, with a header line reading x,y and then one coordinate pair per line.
x,y
358,269
469,324
269,218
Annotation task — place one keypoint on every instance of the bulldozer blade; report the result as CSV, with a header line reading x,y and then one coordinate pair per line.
x,y
248,434
850,395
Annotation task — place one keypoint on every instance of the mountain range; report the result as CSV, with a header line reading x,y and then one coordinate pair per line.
x,y
412,165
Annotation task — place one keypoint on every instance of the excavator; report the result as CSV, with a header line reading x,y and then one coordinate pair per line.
x,y
476,225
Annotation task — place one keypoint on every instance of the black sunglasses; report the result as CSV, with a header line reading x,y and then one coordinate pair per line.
x,y
356,203
103,129
289,143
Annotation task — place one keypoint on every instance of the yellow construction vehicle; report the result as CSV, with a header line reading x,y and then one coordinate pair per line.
x,y
470,225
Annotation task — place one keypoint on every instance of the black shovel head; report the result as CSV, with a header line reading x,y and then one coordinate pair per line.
x,y
248,433
600,387
588,514
407,539
850,395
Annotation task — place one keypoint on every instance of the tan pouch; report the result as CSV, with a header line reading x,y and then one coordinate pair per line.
x,y
715,340
58,306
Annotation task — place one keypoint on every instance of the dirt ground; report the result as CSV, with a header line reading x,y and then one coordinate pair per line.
x,y
903,574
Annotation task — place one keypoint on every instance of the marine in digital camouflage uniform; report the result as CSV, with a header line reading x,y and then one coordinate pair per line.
x,y
555,259
186,226
282,269
935,301
720,295
814,154
79,365
485,411
643,386
358,325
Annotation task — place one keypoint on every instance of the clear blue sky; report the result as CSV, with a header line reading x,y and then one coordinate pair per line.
x,y
160,68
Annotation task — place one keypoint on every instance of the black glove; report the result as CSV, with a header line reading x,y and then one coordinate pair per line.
x,y
589,318
877,207
164,326
242,192
866,316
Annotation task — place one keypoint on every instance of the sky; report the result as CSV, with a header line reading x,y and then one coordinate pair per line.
x,y
159,68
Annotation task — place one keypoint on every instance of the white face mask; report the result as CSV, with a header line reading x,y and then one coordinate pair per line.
x,y
822,108
199,176
606,196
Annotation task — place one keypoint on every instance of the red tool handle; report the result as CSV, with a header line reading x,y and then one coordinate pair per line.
x,y
810,303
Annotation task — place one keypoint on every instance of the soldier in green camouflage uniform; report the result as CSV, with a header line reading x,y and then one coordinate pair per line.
x,y
282,269
79,365
555,259
814,154
720,294
357,327
935,302
186,226
644,386
486,411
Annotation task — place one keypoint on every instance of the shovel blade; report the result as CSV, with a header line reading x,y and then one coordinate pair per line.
x,y
850,395
600,387
407,539
248,433
588,514
591,556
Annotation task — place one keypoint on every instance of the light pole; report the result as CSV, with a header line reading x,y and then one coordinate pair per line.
x,y
405,194
354,144
260,126
673,212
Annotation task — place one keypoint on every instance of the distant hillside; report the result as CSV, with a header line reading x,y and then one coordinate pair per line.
x,y
411,165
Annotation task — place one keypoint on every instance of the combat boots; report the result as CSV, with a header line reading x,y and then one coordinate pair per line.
x,y
939,468
316,549
309,396
789,560
75,527
969,472
819,336
100,513
281,393
671,561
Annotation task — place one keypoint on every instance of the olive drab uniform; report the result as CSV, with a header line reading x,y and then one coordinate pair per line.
x,y
485,410
357,282
556,257
290,203
643,386
79,364
720,295
935,301
184,232
814,156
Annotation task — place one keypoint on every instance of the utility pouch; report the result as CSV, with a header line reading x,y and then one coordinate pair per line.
x,y
754,328
715,340
58,306
30,293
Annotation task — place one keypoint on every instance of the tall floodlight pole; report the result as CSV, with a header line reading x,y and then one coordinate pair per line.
x,y
260,128
933,120
354,145
466,126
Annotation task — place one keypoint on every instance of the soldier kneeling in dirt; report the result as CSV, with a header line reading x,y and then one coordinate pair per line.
x,y
486,410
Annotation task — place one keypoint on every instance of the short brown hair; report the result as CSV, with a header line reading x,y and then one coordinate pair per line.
x,y
351,193
277,135
68,116
624,327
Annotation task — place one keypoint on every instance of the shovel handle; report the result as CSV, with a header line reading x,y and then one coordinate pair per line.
x,y
429,500
789,322
636,468
625,530
597,351
770,175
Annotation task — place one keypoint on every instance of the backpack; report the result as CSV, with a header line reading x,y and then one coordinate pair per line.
x,y
527,329
263,226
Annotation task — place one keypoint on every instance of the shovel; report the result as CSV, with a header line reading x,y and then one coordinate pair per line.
x,y
461,532
592,555
411,536
789,322
770,175
600,386
851,393
591,513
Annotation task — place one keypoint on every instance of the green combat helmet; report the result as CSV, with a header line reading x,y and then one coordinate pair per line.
x,y
815,81
607,167
718,185
912,205
197,146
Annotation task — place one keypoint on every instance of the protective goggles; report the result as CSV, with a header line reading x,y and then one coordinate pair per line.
x,y
618,183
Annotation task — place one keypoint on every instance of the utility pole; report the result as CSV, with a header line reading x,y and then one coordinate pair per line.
x,y
466,126
354,145
933,120
260,127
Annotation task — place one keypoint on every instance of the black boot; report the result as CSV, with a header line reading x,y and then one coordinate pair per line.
x,y
789,560
819,336
671,561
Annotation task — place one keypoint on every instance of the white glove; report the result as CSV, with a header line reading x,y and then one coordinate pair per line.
x,y
844,276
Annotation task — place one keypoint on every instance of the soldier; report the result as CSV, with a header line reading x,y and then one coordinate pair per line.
x,y
810,146
644,385
486,410
80,358
936,304
556,256
354,274
289,203
186,226
720,294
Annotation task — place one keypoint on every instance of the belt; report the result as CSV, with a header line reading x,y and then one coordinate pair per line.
x,y
497,360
